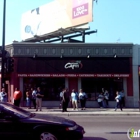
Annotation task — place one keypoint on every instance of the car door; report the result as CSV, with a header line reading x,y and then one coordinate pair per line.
x,y
6,125
11,126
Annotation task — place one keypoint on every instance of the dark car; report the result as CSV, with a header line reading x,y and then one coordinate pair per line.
x,y
17,123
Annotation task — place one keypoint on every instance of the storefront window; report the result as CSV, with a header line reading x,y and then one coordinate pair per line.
x,y
92,86
50,87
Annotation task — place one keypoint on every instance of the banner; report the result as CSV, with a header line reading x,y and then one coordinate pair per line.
x,y
73,75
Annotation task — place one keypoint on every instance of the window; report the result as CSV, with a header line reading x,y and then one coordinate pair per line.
x,y
92,86
51,87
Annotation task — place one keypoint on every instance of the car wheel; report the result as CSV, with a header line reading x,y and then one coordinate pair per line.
x,y
47,136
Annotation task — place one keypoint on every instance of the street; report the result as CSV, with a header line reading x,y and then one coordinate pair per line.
x,y
106,127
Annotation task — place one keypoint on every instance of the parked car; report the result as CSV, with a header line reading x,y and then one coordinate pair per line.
x,y
17,123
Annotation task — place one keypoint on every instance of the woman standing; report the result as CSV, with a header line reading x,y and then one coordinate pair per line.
x,y
74,99
82,97
28,98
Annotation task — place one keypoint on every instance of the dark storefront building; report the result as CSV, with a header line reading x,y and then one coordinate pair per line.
x,y
55,66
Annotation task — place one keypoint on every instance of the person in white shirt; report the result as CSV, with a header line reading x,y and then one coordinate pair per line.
x,y
100,99
74,99
3,95
34,97
118,101
61,98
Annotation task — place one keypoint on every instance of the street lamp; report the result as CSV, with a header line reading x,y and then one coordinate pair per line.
x,y
3,45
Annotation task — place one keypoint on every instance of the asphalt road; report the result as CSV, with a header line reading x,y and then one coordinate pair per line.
x,y
106,127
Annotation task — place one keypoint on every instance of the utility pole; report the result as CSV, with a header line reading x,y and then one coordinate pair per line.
x,y
3,46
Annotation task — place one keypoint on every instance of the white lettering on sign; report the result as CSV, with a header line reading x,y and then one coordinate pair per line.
x,y
72,65
80,11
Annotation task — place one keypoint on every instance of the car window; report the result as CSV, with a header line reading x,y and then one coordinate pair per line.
x,y
3,114
16,111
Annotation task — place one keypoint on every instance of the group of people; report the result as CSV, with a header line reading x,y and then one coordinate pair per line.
x,y
17,95
32,95
35,96
103,99
73,97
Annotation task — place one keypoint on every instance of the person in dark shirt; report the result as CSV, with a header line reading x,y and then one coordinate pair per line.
x,y
65,100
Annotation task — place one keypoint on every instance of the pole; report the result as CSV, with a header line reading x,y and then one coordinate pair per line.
x,y
3,45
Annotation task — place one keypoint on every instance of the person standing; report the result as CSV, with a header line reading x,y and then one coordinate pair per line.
x,y
3,95
122,98
83,98
118,101
61,98
34,97
74,99
106,98
28,98
65,100
39,96
17,97
100,99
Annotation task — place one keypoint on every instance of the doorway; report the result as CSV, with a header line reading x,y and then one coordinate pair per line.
x,y
73,84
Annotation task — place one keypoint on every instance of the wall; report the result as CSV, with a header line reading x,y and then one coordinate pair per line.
x,y
135,63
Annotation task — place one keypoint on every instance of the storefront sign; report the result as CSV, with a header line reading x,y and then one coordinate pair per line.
x,y
73,65
73,75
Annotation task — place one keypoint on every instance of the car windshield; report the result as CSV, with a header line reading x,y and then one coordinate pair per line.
x,y
18,112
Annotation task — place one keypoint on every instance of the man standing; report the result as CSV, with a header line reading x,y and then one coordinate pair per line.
x,y
34,97
106,98
17,97
118,101
39,96
65,100
122,98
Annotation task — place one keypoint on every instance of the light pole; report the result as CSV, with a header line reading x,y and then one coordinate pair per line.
x,y
3,45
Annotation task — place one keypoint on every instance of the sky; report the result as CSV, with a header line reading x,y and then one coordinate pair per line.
x,y
114,20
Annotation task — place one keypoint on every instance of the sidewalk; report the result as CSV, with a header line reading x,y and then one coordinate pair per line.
x,y
88,111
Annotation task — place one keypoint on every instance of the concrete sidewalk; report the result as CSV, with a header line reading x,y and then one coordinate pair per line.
x,y
88,111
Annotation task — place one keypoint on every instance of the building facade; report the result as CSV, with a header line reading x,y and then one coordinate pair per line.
x,y
90,66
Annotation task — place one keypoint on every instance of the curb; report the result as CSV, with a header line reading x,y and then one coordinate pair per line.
x,y
88,112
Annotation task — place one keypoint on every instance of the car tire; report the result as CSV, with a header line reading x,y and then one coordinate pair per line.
x,y
47,136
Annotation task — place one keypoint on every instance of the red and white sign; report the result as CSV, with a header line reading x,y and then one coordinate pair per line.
x,y
73,75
